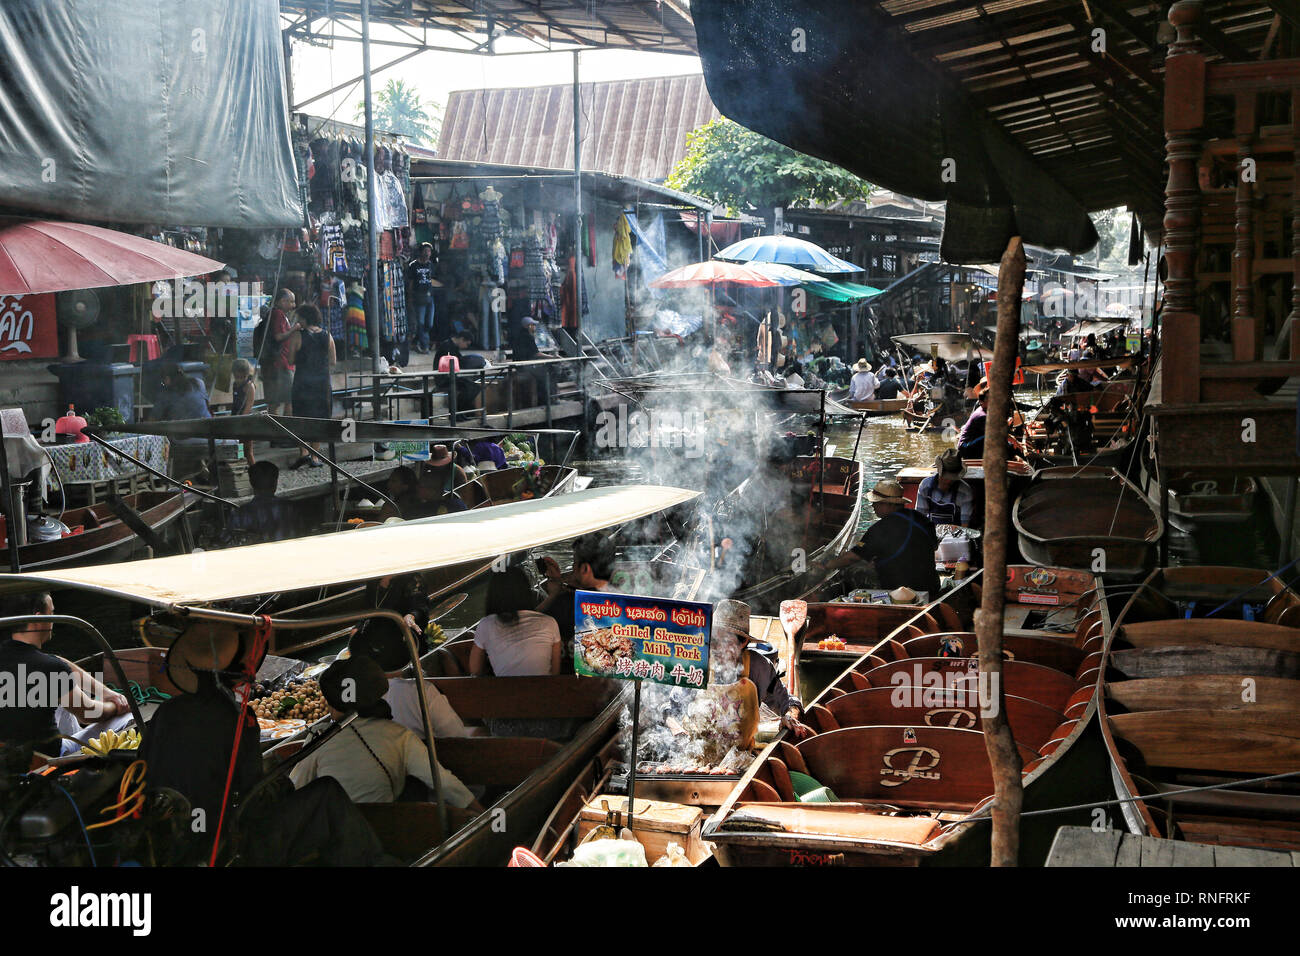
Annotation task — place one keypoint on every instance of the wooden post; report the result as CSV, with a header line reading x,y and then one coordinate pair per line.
x,y
1180,325
1294,317
1247,341
1004,758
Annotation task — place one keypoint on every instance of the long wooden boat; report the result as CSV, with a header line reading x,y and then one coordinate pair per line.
x,y
1113,427
105,538
1210,499
1087,518
1204,702
898,742
870,407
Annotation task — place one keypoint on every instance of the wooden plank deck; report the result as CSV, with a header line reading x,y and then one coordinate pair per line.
x,y
1084,846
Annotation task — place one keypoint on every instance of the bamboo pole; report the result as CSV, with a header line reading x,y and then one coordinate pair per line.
x,y
1004,758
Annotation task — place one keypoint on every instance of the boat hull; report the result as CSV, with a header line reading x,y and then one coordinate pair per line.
x,y
113,542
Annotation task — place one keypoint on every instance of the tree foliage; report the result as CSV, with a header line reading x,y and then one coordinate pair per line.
x,y
739,168
399,109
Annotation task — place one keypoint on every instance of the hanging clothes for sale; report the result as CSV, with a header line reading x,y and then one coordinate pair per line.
x,y
333,300
622,246
354,319
392,301
333,252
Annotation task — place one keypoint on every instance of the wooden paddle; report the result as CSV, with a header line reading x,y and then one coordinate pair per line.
x,y
446,606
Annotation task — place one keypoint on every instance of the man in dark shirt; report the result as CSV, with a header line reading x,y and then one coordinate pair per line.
x,y
901,544
34,684
889,386
466,388
419,275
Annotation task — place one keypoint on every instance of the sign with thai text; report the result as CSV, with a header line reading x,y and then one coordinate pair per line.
x,y
628,637
27,328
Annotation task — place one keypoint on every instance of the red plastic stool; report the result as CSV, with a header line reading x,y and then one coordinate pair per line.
x,y
152,349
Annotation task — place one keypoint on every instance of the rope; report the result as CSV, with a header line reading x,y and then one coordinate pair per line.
x,y
1251,588
1120,800
77,810
261,638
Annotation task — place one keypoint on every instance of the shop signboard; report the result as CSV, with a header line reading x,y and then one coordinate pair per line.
x,y
27,327
629,637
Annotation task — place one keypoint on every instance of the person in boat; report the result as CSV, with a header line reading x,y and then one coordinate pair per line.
x,y
889,386
970,440
591,570
862,387
513,638
1074,382
266,517
437,483
51,696
488,455
189,748
731,622
403,490
181,397
373,756
943,497
381,640
404,595
901,544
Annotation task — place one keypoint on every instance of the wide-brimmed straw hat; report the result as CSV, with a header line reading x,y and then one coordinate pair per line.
x,y
888,491
949,461
904,595
205,646
732,616
862,365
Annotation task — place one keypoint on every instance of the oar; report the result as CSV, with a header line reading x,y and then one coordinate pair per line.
x,y
446,606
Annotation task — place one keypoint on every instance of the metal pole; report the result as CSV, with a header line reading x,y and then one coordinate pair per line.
x,y
372,197
631,762
577,198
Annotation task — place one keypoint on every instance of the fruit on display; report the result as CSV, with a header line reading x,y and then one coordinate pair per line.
x,y
112,740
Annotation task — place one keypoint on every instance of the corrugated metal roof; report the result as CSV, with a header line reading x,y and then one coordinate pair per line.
x,y
631,128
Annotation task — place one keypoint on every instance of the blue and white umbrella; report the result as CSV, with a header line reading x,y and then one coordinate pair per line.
x,y
787,275
786,251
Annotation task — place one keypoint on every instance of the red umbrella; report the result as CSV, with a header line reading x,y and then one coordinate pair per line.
x,y
39,255
711,273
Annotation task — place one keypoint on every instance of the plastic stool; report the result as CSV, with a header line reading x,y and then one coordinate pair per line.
x,y
152,349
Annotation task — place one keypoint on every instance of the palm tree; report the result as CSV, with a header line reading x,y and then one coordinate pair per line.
x,y
398,109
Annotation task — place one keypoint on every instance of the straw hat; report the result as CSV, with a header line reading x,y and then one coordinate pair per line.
x,y
903,595
862,365
950,462
888,492
204,646
732,616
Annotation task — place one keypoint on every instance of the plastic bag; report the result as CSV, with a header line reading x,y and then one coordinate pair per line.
x,y
609,853
674,855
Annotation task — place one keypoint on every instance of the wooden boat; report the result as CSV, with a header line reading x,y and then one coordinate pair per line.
x,y
937,419
1089,518
826,527
1112,428
483,491
898,742
105,538
1210,499
1205,701
523,777
869,407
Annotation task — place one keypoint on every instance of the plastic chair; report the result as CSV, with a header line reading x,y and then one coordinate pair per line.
x,y
151,347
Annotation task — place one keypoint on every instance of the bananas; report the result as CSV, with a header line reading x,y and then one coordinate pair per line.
x,y
112,740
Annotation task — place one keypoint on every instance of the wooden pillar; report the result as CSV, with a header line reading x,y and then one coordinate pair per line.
x,y
1247,340
1004,756
1180,331
1294,317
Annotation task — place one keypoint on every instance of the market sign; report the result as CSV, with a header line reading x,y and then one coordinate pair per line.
x,y
629,637
27,328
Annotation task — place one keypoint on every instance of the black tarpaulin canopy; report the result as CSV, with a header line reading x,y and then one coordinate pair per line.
x,y
837,79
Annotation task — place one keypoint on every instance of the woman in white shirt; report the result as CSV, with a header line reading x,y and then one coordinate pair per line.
x,y
514,639
372,757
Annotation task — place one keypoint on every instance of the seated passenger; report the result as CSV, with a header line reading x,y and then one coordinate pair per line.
x,y
516,640
372,757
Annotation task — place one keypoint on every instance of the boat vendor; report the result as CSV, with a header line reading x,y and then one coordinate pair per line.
x,y
68,701
403,594
266,517
373,755
943,497
403,492
188,747
862,387
591,570
381,640
731,620
901,544
970,440
437,484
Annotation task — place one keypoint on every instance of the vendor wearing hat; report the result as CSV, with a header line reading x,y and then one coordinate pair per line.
x,y
731,620
438,482
373,755
943,497
862,387
901,544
